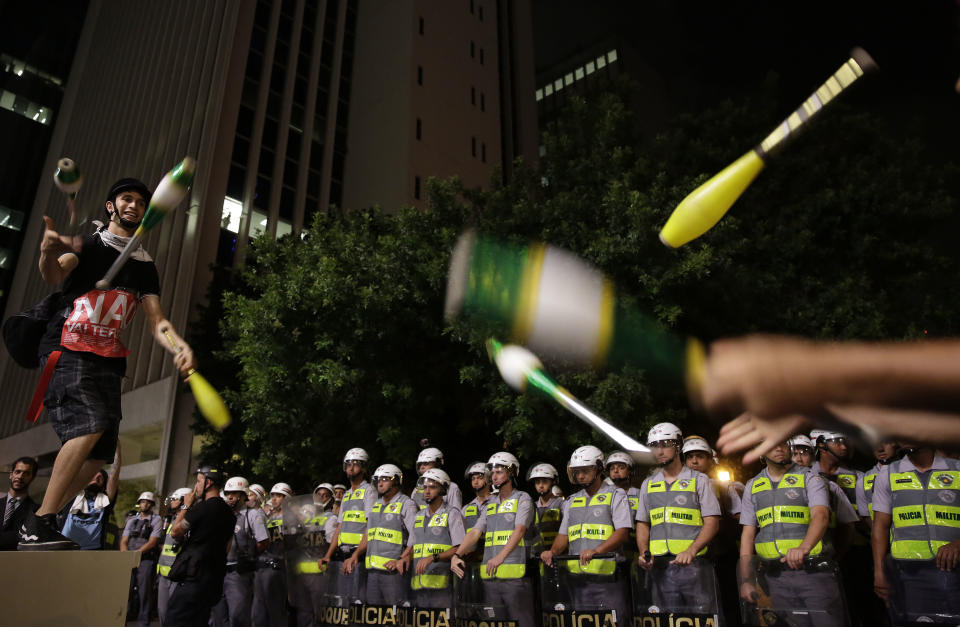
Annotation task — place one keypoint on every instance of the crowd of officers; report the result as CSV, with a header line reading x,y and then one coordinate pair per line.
x,y
769,539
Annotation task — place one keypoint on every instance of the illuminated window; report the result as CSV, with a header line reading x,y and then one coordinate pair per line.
x,y
578,73
558,84
539,95
612,56
11,218
232,210
568,79
548,91
591,68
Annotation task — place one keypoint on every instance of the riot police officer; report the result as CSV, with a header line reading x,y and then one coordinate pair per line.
x,y
142,533
352,519
597,519
785,514
250,538
387,545
549,507
168,553
677,517
478,476
437,533
916,517
269,581
323,497
432,457
507,526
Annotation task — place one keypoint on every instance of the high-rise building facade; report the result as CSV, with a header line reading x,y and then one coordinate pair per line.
x,y
440,89
37,44
268,96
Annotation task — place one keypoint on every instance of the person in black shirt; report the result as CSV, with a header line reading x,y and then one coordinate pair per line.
x,y
202,562
82,355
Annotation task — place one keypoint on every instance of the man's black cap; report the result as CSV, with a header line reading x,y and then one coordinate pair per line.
x,y
129,184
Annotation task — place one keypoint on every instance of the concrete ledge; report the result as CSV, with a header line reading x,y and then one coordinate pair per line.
x,y
82,588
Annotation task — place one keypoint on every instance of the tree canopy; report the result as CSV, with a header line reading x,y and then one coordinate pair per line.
x,y
337,339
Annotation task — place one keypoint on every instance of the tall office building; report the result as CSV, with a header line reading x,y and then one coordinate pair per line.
x,y
37,43
268,96
439,89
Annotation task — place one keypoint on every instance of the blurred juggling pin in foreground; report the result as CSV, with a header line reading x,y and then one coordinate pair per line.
x,y
171,190
562,307
521,369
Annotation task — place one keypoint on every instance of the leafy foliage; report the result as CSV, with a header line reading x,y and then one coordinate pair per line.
x,y
337,340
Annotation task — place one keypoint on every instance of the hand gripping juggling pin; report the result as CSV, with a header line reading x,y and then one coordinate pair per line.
x,y
69,180
171,190
208,401
705,206
522,370
562,307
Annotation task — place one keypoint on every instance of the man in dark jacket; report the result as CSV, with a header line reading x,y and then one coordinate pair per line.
x,y
16,504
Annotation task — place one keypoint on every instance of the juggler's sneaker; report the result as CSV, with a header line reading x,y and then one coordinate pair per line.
x,y
39,533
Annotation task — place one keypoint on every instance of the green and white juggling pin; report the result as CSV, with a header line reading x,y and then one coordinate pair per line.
x,y
522,370
69,180
564,308
171,190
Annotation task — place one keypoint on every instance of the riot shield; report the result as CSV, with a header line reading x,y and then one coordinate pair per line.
x,y
669,594
303,546
773,594
342,597
921,593
492,602
571,597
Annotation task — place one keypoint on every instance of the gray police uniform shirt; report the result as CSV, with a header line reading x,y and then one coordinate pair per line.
x,y
709,504
156,528
817,494
454,522
251,528
619,510
862,501
409,515
882,497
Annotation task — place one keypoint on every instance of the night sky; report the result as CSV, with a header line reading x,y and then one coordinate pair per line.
x,y
707,51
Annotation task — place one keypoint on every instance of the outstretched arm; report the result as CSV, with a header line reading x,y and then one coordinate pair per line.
x,y
57,254
167,336
772,376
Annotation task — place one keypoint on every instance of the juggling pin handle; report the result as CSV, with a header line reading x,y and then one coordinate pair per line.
x,y
104,283
177,349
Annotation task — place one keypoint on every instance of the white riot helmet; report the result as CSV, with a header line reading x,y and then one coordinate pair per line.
x,y
260,493
618,457
583,457
281,488
356,454
431,454
815,434
476,468
388,471
696,443
800,440
664,431
543,471
325,486
434,474
147,496
179,493
236,484
506,460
